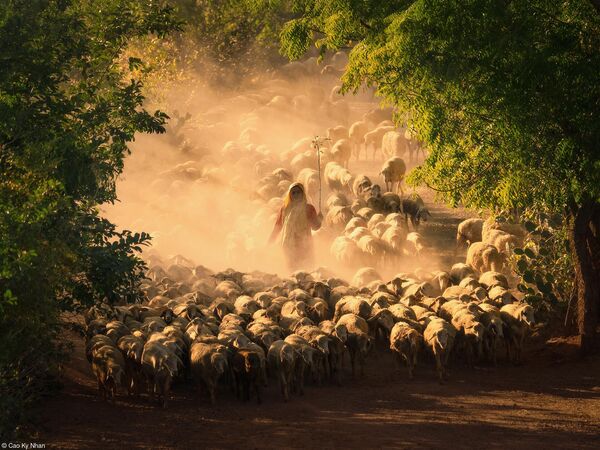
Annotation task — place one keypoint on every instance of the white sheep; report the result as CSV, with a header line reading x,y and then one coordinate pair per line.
x,y
373,138
337,178
416,243
393,171
469,231
357,134
341,152
337,217
345,251
393,144
337,133
483,257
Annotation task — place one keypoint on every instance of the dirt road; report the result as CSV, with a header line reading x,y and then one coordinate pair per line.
x,y
548,402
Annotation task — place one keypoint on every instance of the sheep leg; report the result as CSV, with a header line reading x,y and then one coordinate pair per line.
x,y
283,386
440,369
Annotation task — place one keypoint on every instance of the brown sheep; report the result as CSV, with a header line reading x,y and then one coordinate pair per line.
x,y
247,372
439,338
282,361
405,342
518,318
358,342
109,367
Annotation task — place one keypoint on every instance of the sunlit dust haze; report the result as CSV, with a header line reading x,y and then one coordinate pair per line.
x,y
206,189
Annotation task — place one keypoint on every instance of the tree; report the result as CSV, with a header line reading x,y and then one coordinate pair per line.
x,y
505,95
67,112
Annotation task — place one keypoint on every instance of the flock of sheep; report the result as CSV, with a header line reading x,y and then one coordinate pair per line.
x,y
243,329
247,329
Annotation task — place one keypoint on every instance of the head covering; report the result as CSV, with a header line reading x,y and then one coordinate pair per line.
x,y
288,197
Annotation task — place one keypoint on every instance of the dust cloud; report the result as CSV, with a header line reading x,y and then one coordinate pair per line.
x,y
205,189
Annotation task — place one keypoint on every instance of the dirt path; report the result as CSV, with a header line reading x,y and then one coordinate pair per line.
x,y
546,403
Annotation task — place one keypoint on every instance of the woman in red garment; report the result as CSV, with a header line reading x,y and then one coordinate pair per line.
x,y
296,219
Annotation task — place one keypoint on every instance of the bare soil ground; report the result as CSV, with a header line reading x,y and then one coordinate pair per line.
x,y
551,401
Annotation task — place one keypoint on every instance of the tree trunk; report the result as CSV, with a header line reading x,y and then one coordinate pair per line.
x,y
584,238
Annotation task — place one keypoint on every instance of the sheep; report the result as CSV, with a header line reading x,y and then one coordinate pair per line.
x,y
336,199
337,217
416,243
492,278
494,330
159,365
502,240
310,180
132,348
483,257
373,248
375,200
374,138
468,232
471,333
320,342
500,296
361,185
402,313
356,134
304,363
354,223
109,367
393,171
208,363
247,371
381,320
94,343
364,276
379,230
393,143
519,318
358,340
352,305
374,220
376,115
366,213
345,251
439,338
341,152
404,342
415,211
337,178
460,271
282,359
511,228
337,133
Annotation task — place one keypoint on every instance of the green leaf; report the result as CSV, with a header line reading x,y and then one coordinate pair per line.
x,y
522,265
530,253
518,251
528,276
529,226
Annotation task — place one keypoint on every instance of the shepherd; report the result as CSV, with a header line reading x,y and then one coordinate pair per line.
x,y
295,221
